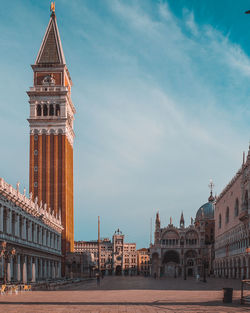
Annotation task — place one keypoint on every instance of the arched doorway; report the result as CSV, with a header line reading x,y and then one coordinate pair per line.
x,y
190,263
118,270
170,263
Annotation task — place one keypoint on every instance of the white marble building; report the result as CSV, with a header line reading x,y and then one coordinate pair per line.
x,y
34,232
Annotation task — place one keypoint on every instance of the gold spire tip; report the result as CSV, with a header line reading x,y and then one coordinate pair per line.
x,y
52,7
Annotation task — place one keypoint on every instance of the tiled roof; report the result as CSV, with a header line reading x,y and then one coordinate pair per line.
x,y
51,51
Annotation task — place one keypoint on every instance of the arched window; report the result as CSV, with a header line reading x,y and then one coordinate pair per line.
x,y
33,233
220,221
5,217
27,230
13,226
236,208
51,110
57,110
20,226
38,110
227,215
45,110
246,201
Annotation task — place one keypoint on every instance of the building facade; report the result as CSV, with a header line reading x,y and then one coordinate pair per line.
x,y
51,133
34,233
184,251
143,262
79,265
232,228
117,257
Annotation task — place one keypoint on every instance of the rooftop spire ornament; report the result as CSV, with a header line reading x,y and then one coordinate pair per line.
x,y
211,187
52,8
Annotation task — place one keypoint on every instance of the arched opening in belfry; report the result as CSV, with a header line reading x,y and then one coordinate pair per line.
x,y
57,110
51,110
45,110
38,110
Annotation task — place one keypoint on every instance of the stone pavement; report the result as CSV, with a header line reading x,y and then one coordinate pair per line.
x,y
131,295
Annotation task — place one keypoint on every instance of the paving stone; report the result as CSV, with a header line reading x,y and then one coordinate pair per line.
x,y
129,295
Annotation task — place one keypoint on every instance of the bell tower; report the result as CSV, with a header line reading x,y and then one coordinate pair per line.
x,y
51,132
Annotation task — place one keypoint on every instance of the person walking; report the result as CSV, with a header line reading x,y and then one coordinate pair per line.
x,y
98,279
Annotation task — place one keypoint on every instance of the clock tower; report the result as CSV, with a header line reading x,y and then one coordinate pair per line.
x,y
51,133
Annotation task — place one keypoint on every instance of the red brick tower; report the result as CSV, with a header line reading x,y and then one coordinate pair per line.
x,y
51,132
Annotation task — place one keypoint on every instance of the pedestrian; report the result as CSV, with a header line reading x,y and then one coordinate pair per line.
x,y
98,279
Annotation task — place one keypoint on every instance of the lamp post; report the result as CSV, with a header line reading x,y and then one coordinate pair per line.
x,y
7,254
185,275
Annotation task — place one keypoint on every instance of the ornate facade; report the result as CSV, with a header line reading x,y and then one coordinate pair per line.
x,y
34,233
232,226
51,132
117,256
184,251
143,262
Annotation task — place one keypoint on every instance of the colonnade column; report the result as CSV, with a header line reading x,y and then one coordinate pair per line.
x,y
18,268
45,269
8,272
41,269
59,269
33,279
24,269
53,270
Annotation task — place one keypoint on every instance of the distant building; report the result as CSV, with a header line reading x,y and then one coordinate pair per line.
x,y
117,257
232,226
34,233
143,262
79,265
184,251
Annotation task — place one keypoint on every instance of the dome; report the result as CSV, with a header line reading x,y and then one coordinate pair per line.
x,y
207,209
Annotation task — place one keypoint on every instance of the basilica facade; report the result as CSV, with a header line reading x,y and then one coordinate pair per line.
x,y
184,251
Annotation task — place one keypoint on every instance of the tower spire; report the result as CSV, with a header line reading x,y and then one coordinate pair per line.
x,y
182,222
51,51
211,187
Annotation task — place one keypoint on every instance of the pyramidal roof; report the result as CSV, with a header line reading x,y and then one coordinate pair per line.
x,y
51,51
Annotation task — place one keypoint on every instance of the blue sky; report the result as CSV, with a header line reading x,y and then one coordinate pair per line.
x,y
162,92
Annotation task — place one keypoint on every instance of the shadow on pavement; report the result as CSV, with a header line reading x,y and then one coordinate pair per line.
x,y
154,303
142,283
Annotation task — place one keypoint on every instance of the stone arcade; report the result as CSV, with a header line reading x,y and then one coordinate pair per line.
x,y
35,234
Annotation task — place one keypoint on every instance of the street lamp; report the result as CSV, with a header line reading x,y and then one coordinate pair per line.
x,y
185,275
7,255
